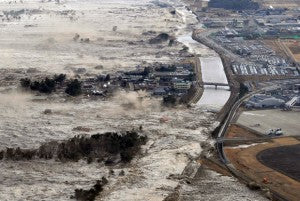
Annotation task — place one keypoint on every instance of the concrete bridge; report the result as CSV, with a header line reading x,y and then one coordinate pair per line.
x,y
216,84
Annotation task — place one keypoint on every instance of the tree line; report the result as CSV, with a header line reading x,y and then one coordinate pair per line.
x,y
49,85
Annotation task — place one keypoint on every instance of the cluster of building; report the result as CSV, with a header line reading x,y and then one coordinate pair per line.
x,y
287,97
280,25
259,69
239,33
278,21
264,18
264,101
159,80
221,23
261,60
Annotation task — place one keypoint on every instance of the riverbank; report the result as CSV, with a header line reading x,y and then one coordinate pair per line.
x,y
211,70
226,61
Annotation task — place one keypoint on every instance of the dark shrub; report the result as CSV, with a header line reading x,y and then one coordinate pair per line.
x,y
243,90
91,194
74,88
169,100
59,78
126,156
105,148
47,86
35,86
107,78
25,82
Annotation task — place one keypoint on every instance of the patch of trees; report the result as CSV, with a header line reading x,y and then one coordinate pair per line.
x,y
17,154
59,78
147,71
110,147
74,88
160,38
171,42
103,78
243,90
187,96
190,77
234,4
25,82
169,100
144,73
47,85
162,68
165,79
91,194
123,83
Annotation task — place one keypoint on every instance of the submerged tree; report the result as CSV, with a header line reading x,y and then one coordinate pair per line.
x,y
25,82
169,100
59,78
35,86
243,90
74,88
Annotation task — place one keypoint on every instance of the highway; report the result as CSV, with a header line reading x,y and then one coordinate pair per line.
x,y
203,37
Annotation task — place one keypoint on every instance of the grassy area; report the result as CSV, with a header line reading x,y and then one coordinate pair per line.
x,y
295,37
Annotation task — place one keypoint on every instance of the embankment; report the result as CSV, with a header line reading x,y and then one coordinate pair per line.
x,y
234,85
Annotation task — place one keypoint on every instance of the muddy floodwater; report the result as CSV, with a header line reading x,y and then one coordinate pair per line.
x,y
39,34
213,71
86,38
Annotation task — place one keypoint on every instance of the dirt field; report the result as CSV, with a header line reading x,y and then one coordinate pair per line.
x,y
238,131
263,120
276,45
244,159
286,48
294,46
285,162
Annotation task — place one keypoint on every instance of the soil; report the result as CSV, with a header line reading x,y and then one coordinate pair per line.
x,y
245,161
238,131
285,162
215,166
294,46
286,48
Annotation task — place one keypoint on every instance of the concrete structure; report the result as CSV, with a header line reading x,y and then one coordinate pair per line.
x,y
159,91
264,101
182,85
294,102
288,121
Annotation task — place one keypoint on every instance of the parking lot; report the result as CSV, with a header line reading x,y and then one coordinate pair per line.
x,y
263,120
